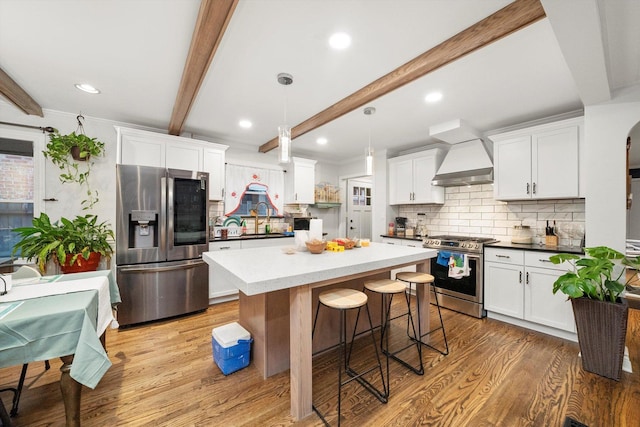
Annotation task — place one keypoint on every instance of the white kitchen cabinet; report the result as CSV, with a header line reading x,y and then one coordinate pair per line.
x,y
213,163
410,178
299,181
143,148
221,291
541,162
519,286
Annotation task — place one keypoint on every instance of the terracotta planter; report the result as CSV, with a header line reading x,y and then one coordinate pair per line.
x,y
602,328
81,264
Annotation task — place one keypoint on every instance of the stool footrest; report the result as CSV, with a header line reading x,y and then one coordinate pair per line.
x,y
366,384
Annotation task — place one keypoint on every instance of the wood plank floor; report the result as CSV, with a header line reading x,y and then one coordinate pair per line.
x,y
496,374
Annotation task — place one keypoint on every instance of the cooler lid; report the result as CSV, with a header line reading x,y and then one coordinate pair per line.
x,y
229,334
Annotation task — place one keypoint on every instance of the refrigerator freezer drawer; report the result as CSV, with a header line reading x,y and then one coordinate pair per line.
x,y
160,290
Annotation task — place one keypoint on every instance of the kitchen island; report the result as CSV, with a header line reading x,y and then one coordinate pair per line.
x,y
277,289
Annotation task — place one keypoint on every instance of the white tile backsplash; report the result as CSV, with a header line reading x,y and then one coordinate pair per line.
x,y
473,211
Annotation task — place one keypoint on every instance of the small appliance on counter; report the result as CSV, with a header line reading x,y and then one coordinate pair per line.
x,y
401,226
522,234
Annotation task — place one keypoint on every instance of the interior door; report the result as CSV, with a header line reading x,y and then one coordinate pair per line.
x,y
359,208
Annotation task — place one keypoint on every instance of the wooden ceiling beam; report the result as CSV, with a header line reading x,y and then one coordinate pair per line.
x,y
213,18
18,96
507,20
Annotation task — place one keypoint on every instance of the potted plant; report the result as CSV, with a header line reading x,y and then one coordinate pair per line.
x,y
595,289
76,245
72,154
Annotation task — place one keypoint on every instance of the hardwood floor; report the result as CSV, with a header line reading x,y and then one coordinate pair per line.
x,y
495,375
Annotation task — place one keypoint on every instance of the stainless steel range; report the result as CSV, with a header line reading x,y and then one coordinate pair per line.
x,y
459,291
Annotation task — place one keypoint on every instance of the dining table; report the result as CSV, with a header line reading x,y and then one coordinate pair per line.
x,y
60,316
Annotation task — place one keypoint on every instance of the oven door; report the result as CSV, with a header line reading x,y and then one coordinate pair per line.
x,y
467,288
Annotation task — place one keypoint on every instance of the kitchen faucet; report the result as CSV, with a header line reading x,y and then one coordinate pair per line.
x,y
254,212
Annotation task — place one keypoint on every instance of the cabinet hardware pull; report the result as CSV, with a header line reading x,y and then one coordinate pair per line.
x,y
534,188
503,256
527,280
527,188
520,279
544,260
225,247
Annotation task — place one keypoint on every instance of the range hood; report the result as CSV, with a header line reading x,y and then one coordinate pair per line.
x,y
465,163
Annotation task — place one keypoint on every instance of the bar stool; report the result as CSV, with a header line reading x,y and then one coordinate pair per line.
x,y
388,288
344,300
425,279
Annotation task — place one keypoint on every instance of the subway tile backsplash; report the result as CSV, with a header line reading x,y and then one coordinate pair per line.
x,y
473,211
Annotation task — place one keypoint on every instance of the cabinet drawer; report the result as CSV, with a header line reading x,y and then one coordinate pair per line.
x,y
225,245
541,259
505,256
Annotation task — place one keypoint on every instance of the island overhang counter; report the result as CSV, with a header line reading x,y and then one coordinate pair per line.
x,y
277,294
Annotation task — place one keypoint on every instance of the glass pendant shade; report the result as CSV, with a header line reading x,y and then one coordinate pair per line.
x,y
284,142
369,161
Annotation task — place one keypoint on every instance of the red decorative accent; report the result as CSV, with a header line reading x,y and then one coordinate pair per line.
x,y
81,264
256,176
233,194
276,196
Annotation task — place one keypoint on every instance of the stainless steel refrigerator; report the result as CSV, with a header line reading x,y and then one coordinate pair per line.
x,y
161,232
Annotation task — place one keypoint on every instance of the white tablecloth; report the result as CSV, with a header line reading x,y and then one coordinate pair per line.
x,y
46,287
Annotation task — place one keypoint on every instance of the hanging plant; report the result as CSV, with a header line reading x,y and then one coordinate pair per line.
x,y
72,154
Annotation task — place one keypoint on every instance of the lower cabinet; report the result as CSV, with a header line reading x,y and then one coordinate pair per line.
x,y
519,289
402,242
219,290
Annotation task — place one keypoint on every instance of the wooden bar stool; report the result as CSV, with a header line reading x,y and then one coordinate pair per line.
x,y
344,300
425,279
388,288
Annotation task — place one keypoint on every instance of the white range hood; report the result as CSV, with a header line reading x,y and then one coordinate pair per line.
x,y
465,163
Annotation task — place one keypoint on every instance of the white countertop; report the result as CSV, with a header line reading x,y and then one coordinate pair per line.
x,y
260,270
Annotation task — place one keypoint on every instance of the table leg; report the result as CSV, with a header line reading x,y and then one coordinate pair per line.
x,y
71,391
300,347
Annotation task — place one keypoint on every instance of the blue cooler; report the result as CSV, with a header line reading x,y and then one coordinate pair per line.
x,y
231,347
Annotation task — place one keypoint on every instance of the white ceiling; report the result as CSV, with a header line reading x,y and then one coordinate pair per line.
x,y
134,52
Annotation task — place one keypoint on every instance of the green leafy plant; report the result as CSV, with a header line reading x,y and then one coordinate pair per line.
x,y
78,237
593,276
59,151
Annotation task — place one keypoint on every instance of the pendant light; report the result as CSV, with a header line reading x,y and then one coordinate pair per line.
x,y
369,111
284,131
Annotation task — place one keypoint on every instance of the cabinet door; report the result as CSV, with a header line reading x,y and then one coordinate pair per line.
x,y
541,305
219,288
503,289
184,156
213,163
555,163
304,183
424,169
135,150
400,182
512,169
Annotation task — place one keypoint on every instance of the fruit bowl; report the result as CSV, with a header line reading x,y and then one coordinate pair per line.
x,y
316,246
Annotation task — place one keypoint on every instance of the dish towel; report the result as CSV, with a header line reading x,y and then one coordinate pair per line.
x,y
443,258
458,266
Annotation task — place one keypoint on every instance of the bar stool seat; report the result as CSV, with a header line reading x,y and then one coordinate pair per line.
x,y
388,288
419,278
345,299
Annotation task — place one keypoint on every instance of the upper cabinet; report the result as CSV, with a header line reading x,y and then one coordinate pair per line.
x,y
541,162
299,181
410,178
143,148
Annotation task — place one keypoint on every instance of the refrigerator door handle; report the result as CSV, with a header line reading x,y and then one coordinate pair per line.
x,y
170,207
138,269
163,217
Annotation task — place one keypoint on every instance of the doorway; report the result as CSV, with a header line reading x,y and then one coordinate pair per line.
x,y
359,202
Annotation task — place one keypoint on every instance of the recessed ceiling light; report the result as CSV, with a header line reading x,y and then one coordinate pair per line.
x,y
321,141
433,97
340,41
246,124
85,87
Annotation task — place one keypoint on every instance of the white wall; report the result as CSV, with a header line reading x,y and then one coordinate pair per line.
x,y
606,129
